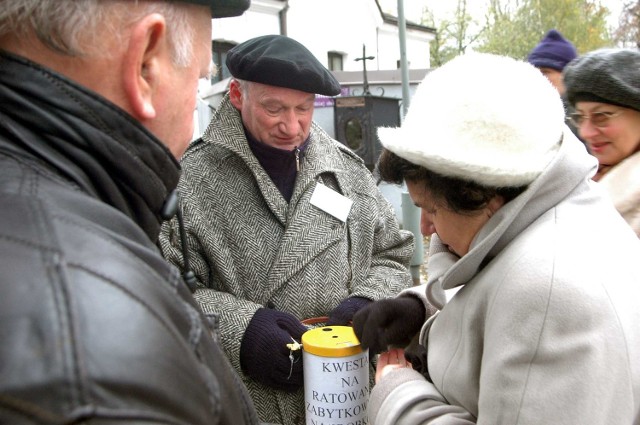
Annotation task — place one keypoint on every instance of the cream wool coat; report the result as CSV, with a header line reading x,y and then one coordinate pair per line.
x,y
545,326
622,183
249,247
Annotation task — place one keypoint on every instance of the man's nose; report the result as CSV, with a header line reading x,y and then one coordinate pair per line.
x,y
289,123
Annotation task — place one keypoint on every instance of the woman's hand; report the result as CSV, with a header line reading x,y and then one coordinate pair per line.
x,y
390,360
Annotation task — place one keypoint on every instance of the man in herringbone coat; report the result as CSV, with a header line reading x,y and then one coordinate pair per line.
x,y
265,255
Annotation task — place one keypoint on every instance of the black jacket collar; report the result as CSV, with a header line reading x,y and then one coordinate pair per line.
x,y
86,139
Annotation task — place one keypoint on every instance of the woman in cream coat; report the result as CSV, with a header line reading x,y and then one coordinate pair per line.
x,y
604,87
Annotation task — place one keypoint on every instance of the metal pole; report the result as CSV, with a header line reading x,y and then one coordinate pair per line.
x,y
410,213
404,69
411,222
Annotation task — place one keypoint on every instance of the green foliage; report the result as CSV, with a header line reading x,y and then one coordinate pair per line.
x,y
453,36
515,27
439,52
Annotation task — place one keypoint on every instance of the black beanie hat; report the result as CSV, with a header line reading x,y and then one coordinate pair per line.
x,y
554,51
277,60
605,75
224,8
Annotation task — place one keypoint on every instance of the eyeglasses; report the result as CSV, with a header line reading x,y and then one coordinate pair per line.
x,y
598,119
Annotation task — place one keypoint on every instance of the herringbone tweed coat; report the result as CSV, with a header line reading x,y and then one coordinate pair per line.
x,y
249,247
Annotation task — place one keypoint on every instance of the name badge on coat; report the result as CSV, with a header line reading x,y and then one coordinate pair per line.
x,y
331,202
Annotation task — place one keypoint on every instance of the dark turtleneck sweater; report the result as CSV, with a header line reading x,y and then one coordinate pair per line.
x,y
280,164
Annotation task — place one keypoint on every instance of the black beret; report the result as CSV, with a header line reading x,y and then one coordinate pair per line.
x,y
224,8
605,75
277,60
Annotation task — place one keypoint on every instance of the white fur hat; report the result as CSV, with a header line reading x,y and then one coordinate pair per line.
x,y
483,118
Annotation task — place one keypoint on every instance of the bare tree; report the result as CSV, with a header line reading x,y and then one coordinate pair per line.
x,y
628,31
453,36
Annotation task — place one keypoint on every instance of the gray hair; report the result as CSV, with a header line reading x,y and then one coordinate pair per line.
x,y
77,28
244,87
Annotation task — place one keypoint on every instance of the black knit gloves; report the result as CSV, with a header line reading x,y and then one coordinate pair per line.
x,y
389,322
416,354
264,355
343,313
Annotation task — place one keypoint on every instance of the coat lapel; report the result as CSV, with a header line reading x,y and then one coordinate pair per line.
x,y
309,230
234,138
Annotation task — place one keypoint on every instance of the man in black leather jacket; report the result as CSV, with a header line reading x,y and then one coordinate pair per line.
x,y
95,327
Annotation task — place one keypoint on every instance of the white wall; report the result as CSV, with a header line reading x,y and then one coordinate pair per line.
x,y
344,26
417,46
336,25
322,26
261,19
330,25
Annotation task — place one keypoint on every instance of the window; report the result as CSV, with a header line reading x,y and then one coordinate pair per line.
x,y
219,51
335,61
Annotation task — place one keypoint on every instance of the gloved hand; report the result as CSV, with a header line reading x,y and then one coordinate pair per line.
x,y
264,355
389,322
416,354
343,313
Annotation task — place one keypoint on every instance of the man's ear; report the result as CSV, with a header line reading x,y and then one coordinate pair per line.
x,y
143,64
235,94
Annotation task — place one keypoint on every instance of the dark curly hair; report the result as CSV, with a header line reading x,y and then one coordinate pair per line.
x,y
458,195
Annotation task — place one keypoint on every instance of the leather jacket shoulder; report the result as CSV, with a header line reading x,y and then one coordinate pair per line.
x,y
94,324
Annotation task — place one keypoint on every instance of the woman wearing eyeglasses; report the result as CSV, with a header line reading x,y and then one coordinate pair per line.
x,y
604,88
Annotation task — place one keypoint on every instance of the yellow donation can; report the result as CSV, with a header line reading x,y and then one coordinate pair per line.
x,y
336,377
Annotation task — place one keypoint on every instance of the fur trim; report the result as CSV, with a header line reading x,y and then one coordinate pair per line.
x,y
484,118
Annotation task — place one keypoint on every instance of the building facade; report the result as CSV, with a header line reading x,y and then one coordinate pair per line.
x,y
336,32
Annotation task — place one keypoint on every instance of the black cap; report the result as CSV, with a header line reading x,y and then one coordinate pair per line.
x,y
224,8
277,60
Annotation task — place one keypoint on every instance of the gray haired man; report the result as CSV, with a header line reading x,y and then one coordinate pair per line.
x,y
96,105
